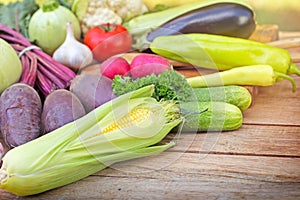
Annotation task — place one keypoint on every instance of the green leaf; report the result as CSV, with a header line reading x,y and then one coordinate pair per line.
x,y
169,85
17,15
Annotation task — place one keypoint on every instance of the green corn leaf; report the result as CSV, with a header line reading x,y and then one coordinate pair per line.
x,y
77,150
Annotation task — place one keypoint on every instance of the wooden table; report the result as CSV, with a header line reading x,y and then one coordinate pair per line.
x,y
261,160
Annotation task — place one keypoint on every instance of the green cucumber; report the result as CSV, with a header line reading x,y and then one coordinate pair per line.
x,y
233,94
210,116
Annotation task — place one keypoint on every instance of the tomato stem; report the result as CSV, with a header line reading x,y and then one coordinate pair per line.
x,y
107,27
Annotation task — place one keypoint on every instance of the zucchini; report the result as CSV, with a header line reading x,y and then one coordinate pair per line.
x,y
233,94
217,116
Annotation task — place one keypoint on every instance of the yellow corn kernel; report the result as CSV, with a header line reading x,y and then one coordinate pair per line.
x,y
134,117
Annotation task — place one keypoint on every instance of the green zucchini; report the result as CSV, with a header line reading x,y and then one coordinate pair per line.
x,y
210,116
233,94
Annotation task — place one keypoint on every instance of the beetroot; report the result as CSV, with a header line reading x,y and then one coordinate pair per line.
x,y
20,114
2,151
60,107
92,90
114,66
145,64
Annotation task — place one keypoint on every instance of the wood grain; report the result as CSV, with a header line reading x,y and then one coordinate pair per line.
x,y
276,105
265,33
245,141
191,175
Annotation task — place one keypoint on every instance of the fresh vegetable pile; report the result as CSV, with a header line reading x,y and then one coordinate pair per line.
x,y
39,68
64,123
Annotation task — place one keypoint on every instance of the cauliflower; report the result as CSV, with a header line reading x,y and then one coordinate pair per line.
x,y
110,11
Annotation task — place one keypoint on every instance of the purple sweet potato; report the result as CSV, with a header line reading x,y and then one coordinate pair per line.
x,y
20,114
60,107
93,90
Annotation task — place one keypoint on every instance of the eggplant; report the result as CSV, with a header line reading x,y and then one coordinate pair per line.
x,y
228,19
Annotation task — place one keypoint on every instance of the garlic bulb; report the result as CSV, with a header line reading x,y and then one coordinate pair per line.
x,y
73,53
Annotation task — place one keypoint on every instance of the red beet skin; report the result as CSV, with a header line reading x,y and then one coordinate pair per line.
x,y
115,66
145,64
20,114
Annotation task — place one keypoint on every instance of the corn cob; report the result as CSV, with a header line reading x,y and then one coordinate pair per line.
x,y
90,143
134,116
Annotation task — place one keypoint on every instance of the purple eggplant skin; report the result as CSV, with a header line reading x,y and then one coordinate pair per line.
x,y
20,114
60,107
228,19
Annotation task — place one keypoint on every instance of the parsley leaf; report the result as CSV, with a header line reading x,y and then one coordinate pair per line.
x,y
169,85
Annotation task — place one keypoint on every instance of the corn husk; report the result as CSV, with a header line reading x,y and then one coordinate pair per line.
x,y
78,149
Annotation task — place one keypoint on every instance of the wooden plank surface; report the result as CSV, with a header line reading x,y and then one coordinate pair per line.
x,y
190,175
276,105
261,160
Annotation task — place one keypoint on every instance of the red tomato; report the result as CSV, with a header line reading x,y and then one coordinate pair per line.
x,y
108,40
